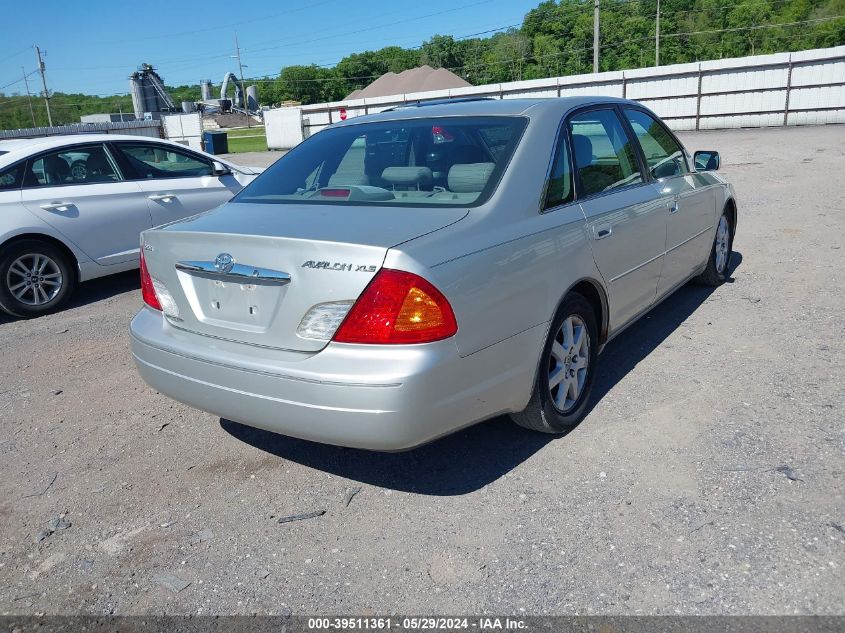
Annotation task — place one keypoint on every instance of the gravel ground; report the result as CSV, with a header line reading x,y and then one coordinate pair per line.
x,y
708,477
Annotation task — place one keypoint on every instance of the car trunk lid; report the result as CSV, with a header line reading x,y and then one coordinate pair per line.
x,y
285,259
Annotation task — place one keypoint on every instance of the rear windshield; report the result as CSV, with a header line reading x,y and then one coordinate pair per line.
x,y
455,161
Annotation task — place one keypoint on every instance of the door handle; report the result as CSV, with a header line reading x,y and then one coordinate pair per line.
x,y
673,206
57,206
603,232
162,197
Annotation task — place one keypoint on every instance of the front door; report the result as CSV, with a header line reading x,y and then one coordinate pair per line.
x,y
81,192
689,201
625,220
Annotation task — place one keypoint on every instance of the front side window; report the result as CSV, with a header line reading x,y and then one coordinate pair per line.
x,y
604,156
11,177
664,156
150,160
560,190
450,161
72,166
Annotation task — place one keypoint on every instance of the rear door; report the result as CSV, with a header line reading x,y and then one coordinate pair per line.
x,y
177,182
625,218
689,201
81,192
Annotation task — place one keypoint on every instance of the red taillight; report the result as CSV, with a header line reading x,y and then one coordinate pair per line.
x,y
398,307
148,293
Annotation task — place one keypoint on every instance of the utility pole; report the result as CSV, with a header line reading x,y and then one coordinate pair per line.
x,y
657,37
44,84
245,100
28,95
596,36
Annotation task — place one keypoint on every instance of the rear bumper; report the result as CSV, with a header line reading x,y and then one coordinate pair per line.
x,y
374,397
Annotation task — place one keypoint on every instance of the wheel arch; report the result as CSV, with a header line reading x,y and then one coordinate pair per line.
x,y
594,293
53,241
730,207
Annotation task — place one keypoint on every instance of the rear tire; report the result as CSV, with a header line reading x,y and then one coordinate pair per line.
x,y
566,372
718,265
36,278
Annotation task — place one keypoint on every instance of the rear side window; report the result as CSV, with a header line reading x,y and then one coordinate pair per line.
x,y
664,156
454,161
11,177
604,156
560,190
150,160
72,166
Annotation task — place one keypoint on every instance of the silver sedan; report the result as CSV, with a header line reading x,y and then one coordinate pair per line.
x,y
402,275
72,208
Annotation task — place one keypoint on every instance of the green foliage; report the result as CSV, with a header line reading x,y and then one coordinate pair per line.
x,y
65,108
556,38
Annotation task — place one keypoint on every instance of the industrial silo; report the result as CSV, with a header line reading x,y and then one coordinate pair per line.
x,y
252,98
137,92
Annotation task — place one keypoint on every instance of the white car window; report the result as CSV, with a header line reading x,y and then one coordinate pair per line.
x,y
11,177
73,166
162,161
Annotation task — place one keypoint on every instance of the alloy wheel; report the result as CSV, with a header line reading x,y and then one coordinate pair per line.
x,y
723,237
34,279
568,363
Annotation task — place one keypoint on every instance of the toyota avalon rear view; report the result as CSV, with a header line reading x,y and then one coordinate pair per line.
x,y
401,275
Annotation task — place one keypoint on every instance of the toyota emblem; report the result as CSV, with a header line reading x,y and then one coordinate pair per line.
x,y
224,262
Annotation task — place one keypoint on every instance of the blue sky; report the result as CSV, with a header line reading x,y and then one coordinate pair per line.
x,y
93,45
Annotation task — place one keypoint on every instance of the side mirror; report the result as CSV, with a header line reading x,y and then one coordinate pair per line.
x,y
707,160
219,169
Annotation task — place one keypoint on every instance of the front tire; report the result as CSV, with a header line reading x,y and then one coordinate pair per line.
x,y
566,372
36,278
720,255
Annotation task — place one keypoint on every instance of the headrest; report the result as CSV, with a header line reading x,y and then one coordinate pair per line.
x,y
583,148
350,179
469,178
408,175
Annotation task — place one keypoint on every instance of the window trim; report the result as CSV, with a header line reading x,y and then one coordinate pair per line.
x,y
646,175
561,136
660,122
29,160
128,167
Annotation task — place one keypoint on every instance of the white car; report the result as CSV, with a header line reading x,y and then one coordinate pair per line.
x,y
72,208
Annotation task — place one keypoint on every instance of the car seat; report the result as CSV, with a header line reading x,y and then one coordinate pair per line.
x,y
593,178
56,170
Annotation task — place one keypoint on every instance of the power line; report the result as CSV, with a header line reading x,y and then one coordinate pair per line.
x,y
20,52
286,43
17,81
568,51
583,49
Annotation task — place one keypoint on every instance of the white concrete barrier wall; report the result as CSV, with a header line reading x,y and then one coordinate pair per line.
x,y
283,127
803,88
184,128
